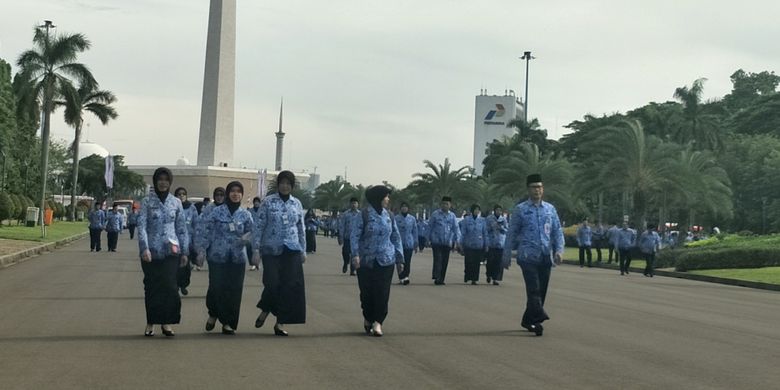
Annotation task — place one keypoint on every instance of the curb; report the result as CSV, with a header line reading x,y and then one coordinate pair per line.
x,y
21,256
685,275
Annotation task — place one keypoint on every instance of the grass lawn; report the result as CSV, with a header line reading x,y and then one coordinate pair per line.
x,y
764,275
57,231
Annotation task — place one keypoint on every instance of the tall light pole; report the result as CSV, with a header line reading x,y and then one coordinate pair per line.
x,y
527,57
47,24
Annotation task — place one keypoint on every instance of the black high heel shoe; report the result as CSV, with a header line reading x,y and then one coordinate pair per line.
x,y
149,332
261,319
280,332
227,329
367,326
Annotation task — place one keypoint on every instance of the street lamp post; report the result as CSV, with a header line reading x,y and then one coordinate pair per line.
x,y
47,24
527,57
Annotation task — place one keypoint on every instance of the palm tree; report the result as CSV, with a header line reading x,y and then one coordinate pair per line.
x,y
699,127
630,163
85,99
332,195
705,187
49,67
510,179
443,180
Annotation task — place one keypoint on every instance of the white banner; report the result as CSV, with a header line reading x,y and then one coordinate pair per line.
x,y
109,175
261,184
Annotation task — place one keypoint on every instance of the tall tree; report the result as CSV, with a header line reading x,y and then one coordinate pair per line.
x,y
332,195
49,67
86,99
443,180
699,126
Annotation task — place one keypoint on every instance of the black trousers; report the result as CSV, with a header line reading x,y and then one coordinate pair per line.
x,y
597,245
471,263
161,298
284,292
617,254
422,242
226,285
585,250
625,260
537,279
346,253
374,286
441,258
494,269
650,266
311,241
184,274
94,238
113,239
131,229
407,264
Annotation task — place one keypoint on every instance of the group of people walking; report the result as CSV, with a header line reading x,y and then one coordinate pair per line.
x,y
621,241
375,245
110,221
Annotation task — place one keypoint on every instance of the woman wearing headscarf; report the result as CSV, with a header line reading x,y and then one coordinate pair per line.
x,y
473,240
191,219
311,222
376,249
281,239
219,199
164,244
222,242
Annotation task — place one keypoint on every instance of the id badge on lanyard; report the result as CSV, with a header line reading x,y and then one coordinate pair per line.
x,y
285,218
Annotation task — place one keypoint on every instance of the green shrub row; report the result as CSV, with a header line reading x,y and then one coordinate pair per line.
x,y
717,258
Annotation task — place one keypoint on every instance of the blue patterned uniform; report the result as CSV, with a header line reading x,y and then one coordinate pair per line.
x,y
279,224
496,231
161,225
535,232
584,236
422,228
443,228
223,237
191,218
381,242
114,222
407,227
97,219
626,238
649,242
347,222
132,219
473,233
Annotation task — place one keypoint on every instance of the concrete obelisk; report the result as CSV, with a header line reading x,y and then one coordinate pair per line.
x,y
215,144
280,139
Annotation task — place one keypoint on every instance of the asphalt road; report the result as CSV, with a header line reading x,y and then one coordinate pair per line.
x,y
74,320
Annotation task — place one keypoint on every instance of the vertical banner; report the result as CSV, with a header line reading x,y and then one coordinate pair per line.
x,y
262,185
109,175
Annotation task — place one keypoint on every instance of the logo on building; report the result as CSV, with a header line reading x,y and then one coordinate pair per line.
x,y
497,113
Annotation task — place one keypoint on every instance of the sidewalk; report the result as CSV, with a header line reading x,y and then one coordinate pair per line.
x,y
16,251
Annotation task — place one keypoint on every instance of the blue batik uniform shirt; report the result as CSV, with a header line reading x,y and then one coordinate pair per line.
x,y
496,231
347,223
379,242
535,232
114,222
443,228
223,237
649,242
161,225
422,228
279,225
626,238
97,219
407,227
584,236
473,233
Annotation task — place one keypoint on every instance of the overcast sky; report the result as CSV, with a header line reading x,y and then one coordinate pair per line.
x,y
378,86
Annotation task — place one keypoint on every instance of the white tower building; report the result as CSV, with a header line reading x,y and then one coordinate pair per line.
x,y
491,116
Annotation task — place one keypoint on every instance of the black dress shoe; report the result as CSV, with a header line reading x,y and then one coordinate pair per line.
x,y
149,333
280,332
473,282
227,329
538,329
495,282
261,319
344,269
367,327
184,291
210,323
168,332
489,279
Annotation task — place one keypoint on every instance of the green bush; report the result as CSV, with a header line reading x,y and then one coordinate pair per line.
x,y
6,207
740,257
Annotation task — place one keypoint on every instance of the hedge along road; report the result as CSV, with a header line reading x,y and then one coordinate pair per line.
x,y
74,319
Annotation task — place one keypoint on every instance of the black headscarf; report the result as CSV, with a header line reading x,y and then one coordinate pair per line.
x,y
285,175
404,204
156,177
217,191
256,199
475,207
375,195
186,204
233,206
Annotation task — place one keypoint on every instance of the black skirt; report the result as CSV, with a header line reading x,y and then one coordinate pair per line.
x,y
161,295
284,292
223,299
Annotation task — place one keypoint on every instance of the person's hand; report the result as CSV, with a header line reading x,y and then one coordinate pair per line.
x,y
303,258
340,243
356,262
183,261
200,260
400,268
557,259
256,259
146,256
415,249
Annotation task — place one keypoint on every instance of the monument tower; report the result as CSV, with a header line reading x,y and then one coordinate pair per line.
x,y
279,140
215,143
